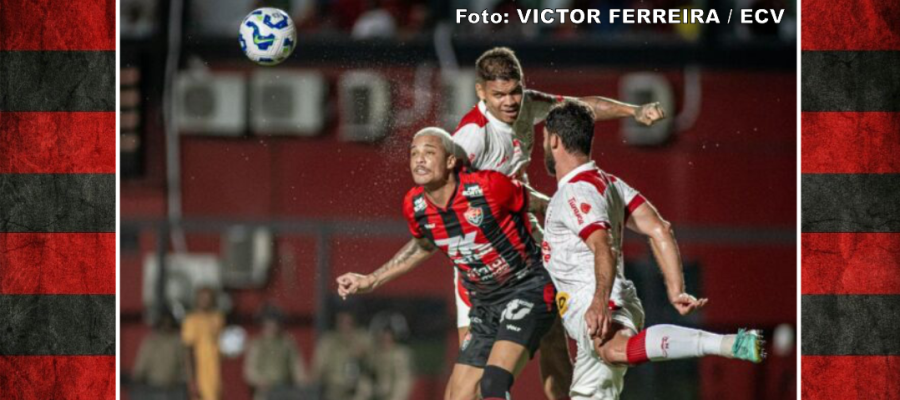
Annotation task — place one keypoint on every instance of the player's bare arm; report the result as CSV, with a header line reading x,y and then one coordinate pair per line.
x,y
606,108
598,316
410,256
647,221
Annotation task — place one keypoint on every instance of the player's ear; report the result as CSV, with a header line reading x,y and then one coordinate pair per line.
x,y
451,162
554,141
479,89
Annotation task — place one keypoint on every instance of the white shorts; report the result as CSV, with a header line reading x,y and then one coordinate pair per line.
x,y
462,309
594,379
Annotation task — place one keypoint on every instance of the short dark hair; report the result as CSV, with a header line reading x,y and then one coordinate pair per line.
x,y
573,122
498,63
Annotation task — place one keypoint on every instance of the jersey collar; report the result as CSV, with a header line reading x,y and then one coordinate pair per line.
x,y
590,165
492,119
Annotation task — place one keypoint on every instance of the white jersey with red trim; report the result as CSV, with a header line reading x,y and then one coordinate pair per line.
x,y
491,144
587,199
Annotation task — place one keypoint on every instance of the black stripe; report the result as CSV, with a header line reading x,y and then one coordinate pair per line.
x,y
57,81
851,81
531,246
491,229
57,202
864,325
57,325
850,202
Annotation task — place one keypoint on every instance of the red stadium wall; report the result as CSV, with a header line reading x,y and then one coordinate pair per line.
x,y
733,171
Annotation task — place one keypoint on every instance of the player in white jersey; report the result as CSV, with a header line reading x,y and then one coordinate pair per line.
x,y
498,135
582,250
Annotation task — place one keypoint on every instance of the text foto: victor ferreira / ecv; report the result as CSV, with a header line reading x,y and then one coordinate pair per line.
x,y
625,16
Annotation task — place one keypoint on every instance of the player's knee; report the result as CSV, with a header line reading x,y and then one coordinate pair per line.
x,y
495,382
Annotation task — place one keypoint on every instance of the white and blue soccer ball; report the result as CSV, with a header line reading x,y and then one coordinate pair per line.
x,y
268,36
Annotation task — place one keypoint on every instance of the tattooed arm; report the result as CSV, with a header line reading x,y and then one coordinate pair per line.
x,y
409,257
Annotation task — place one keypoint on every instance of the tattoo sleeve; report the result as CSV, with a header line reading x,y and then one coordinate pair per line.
x,y
410,256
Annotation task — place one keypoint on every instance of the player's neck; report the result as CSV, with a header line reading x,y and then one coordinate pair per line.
x,y
568,163
440,194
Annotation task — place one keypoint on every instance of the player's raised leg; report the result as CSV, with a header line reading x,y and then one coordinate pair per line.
x,y
671,342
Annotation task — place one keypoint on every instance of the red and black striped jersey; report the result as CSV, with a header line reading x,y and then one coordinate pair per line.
x,y
484,230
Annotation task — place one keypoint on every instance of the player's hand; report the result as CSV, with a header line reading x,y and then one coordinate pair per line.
x,y
649,113
686,304
351,283
599,320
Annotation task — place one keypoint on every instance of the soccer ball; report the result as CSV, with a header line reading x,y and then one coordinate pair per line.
x,y
267,36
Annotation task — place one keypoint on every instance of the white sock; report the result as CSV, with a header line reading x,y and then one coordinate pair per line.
x,y
671,342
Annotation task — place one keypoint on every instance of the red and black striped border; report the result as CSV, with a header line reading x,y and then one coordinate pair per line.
x,y
57,199
850,300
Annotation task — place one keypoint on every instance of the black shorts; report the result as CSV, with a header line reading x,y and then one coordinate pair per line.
x,y
524,317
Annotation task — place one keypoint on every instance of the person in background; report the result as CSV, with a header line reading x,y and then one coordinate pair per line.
x,y
200,334
339,363
160,358
273,361
391,362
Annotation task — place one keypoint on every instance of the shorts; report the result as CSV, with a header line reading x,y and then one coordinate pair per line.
x,y
592,378
462,309
462,306
524,318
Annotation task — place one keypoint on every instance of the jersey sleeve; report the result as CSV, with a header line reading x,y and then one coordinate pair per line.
x,y
540,103
633,199
585,210
509,193
410,217
470,138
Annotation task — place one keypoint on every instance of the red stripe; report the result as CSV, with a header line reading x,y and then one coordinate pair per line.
x,y
57,142
588,230
850,263
636,349
851,377
57,377
850,25
850,142
57,263
58,25
474,116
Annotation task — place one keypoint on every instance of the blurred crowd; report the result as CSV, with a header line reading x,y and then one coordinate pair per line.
x,y
349,363
406,19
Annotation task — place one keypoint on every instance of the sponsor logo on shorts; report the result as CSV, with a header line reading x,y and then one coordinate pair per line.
x,y
516,310
473,191
474,215
513,328
562,302
419,204
575,210
466,342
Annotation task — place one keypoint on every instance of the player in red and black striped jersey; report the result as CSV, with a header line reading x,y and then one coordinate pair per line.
x,y
479,220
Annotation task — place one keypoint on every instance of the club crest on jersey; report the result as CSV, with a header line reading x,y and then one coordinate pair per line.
x,y
474,215
585,208
419,204
473,191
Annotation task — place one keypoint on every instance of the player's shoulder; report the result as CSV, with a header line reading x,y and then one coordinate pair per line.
x,y
414,201
474,120
477,182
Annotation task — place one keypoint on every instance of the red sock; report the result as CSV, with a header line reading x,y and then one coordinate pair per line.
x,y
636,349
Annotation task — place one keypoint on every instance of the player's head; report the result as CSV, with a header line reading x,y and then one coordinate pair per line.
x,y
499,83
568,131
206,298
432,157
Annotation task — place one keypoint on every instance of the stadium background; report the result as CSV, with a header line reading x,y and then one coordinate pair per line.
x,y
329,196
